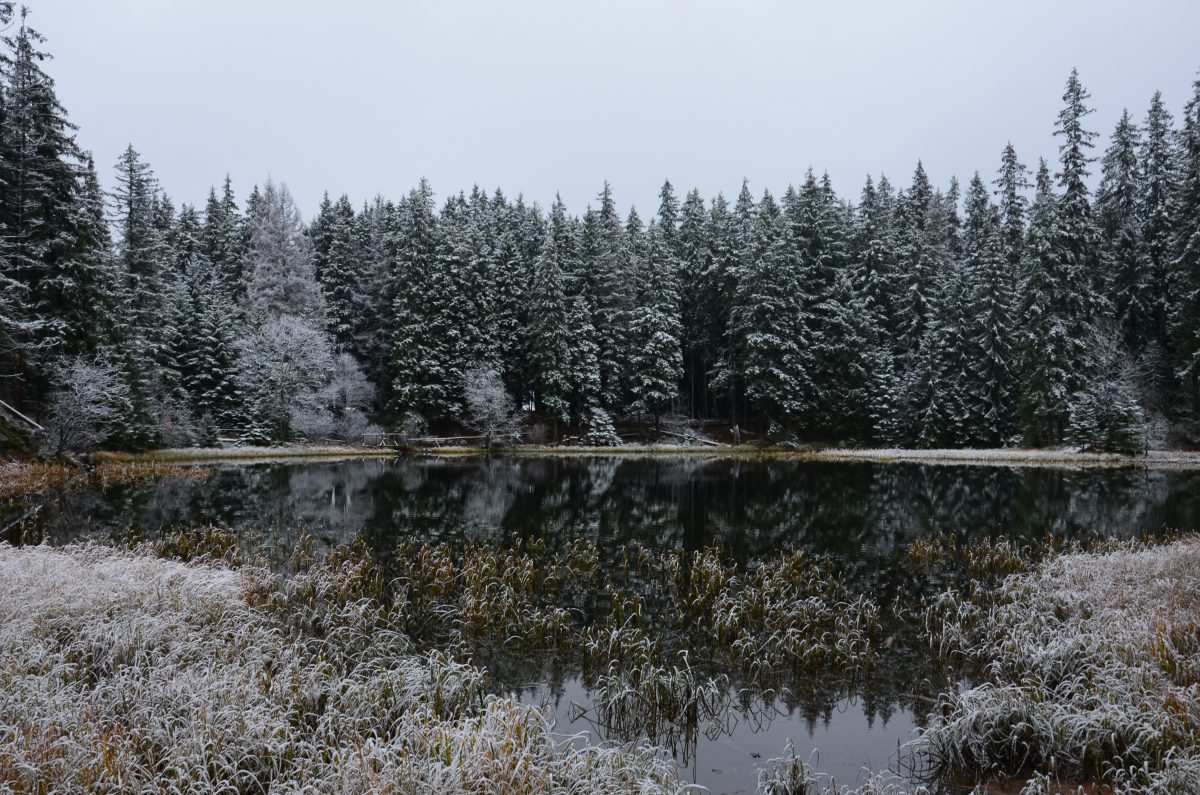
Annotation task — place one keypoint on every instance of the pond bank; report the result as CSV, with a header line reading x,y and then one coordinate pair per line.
x,y
1088,673
1003,457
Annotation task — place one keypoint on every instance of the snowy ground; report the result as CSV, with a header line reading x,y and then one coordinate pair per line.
x,y
1009,456
247,453
1012,456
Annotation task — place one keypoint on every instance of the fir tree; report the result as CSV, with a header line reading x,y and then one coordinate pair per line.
x,y
140,263
608,278
769,341
917,260
44,235
336,261
875,286
697,310
1081,294
223,237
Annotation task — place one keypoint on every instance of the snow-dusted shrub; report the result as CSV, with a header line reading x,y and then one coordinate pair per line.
x,y
599,430
1107,414
284,366
488,408
86,404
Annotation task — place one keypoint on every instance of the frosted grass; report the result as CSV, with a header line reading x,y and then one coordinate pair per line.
x,y
1089,668
123,672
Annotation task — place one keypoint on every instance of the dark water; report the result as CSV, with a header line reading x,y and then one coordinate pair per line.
x,y
861,515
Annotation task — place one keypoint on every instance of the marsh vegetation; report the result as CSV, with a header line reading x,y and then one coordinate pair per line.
x,y
599,650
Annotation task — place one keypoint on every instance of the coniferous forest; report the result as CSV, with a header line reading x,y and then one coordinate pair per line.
x,y
1018,307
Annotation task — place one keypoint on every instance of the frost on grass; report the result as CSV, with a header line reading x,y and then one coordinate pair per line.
x,y
1088,668
123,672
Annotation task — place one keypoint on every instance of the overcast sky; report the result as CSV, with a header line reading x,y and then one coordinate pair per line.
x,y
366,97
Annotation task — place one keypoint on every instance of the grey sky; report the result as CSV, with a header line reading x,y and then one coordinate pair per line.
x,y
533,97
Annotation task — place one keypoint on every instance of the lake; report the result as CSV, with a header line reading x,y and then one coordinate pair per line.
x,y
856,518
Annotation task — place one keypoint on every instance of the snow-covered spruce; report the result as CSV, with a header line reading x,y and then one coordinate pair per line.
x,y
123,672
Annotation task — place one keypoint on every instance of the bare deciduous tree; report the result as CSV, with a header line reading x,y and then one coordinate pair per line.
x,y
86,407
489,407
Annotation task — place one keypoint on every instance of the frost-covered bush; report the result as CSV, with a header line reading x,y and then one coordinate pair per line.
x,y
86,404
1107,414
123,672
599,430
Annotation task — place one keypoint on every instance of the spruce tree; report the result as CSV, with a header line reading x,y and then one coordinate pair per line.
x,y
424,379
917,260
373,326
137,216
41,240
736,245
608,278
1011,184
336,261
549,340
720,286
1050,352
223,236
696,306
763,322
875,280
1185,259
1156,212
990,295
1124,260
657,358
1081,294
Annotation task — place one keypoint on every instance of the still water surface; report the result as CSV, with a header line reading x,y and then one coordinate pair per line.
x,y
860,515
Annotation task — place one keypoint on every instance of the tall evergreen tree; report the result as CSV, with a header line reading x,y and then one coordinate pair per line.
x,y
917,260
875,285
223,236
697,310
1185,259
336,260
764,321
1050,349
1156,212
990,295
549,340
656,361
45,234
140,253
607,272
425,378
1124,259
1075,243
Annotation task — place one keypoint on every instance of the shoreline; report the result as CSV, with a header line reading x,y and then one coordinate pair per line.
x,y
1004,457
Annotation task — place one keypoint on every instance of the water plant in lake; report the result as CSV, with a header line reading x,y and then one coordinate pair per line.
x,y
26,479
